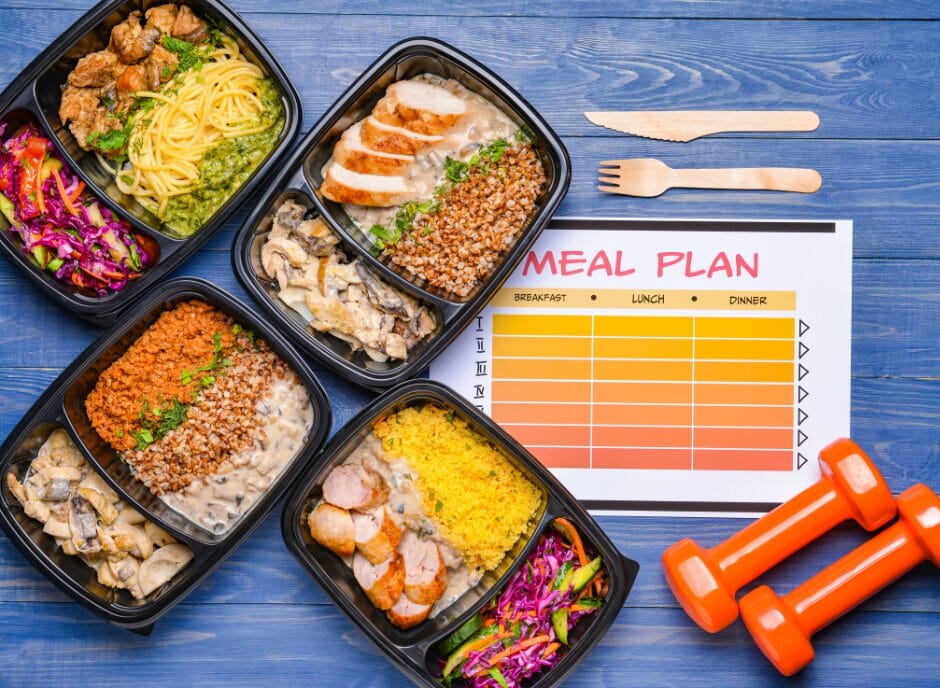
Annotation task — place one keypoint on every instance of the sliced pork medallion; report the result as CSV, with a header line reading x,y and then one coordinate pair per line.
x,y
382,583
355,487
334,528
377,536
406,613
425,572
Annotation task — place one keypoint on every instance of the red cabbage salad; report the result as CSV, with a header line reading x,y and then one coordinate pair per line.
x,y
63,229
524,628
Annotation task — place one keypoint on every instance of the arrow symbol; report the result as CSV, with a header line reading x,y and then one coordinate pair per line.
x,y
803,372
804,328
801,393
803,349
800,461
801,415
801,437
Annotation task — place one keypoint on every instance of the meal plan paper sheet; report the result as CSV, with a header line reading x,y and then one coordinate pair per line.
x,y
669,365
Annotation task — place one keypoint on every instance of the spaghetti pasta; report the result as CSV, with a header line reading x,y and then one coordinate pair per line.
x,y
226,98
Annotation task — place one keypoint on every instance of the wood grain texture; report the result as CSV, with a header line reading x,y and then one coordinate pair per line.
x,y
687,9
864,79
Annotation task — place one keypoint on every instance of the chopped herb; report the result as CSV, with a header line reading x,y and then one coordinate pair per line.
x,y
491,474
227,362
144,438
188,55
114,140
456,170
494,151
438,506
207,380
127,179
119,432
523,136
450,417
186,377
107,101
173,416
165,72
134,258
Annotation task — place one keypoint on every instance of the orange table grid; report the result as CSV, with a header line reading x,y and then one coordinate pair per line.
x,y
745,327
744,349
618,436
728,371
643,392
642,414
642,326
643,348
643,370
550,435
541,369
744,416
742,460
541,390
629,457
503,412
542,347
546,325
724,393
562,457
743,438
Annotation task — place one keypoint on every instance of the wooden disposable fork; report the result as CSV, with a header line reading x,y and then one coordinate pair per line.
x,y
649,177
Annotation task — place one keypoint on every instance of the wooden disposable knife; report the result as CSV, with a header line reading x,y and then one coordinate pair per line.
x,y
686,125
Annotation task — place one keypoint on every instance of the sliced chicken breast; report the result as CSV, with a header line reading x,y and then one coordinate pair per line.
x,y
352,154
419,107
425,571
390,139
377,536
354,487
382,583
333,528
405,613
374,190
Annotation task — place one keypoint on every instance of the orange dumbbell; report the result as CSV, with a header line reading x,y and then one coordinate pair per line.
x,y
705,581
782,626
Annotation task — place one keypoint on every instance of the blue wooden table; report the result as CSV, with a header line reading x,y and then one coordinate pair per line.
x,y
872,72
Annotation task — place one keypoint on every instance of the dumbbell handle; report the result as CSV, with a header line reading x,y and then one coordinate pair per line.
x,y
855,577
778,534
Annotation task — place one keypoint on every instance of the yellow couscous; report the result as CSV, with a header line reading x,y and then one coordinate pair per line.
x,y
481,502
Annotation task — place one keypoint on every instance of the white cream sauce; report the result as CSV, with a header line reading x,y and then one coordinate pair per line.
x,y
483,123
217,501
405,505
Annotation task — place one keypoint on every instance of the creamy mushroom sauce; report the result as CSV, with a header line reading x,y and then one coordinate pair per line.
x,y
405,505
482,124
216,502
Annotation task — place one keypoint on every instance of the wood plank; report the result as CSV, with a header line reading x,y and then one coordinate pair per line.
x,y
287,645
712,9
865,79
894,331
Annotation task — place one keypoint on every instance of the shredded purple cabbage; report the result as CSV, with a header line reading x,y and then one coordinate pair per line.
x,y
85,245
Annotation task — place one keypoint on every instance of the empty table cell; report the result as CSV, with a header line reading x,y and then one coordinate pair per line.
x,y
756,328
605,436
542,347
541,369
744,416
649,459
642,414
566,325
743,394
643,348
644,392
744,349
541,413
733,371
742,460
541,390
562,457
743,438
550,435
641,326
642,370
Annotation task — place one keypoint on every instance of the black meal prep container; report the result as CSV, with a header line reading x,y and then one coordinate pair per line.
x,y
300,180
62,405
34,94
414,650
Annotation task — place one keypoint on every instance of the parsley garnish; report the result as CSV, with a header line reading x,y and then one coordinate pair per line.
x,y
187,54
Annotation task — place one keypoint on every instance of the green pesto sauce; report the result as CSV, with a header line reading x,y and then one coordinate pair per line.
x,y
225,167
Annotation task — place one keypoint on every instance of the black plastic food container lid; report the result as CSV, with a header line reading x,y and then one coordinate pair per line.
x,y
414,651
300,178
35,94
62,405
